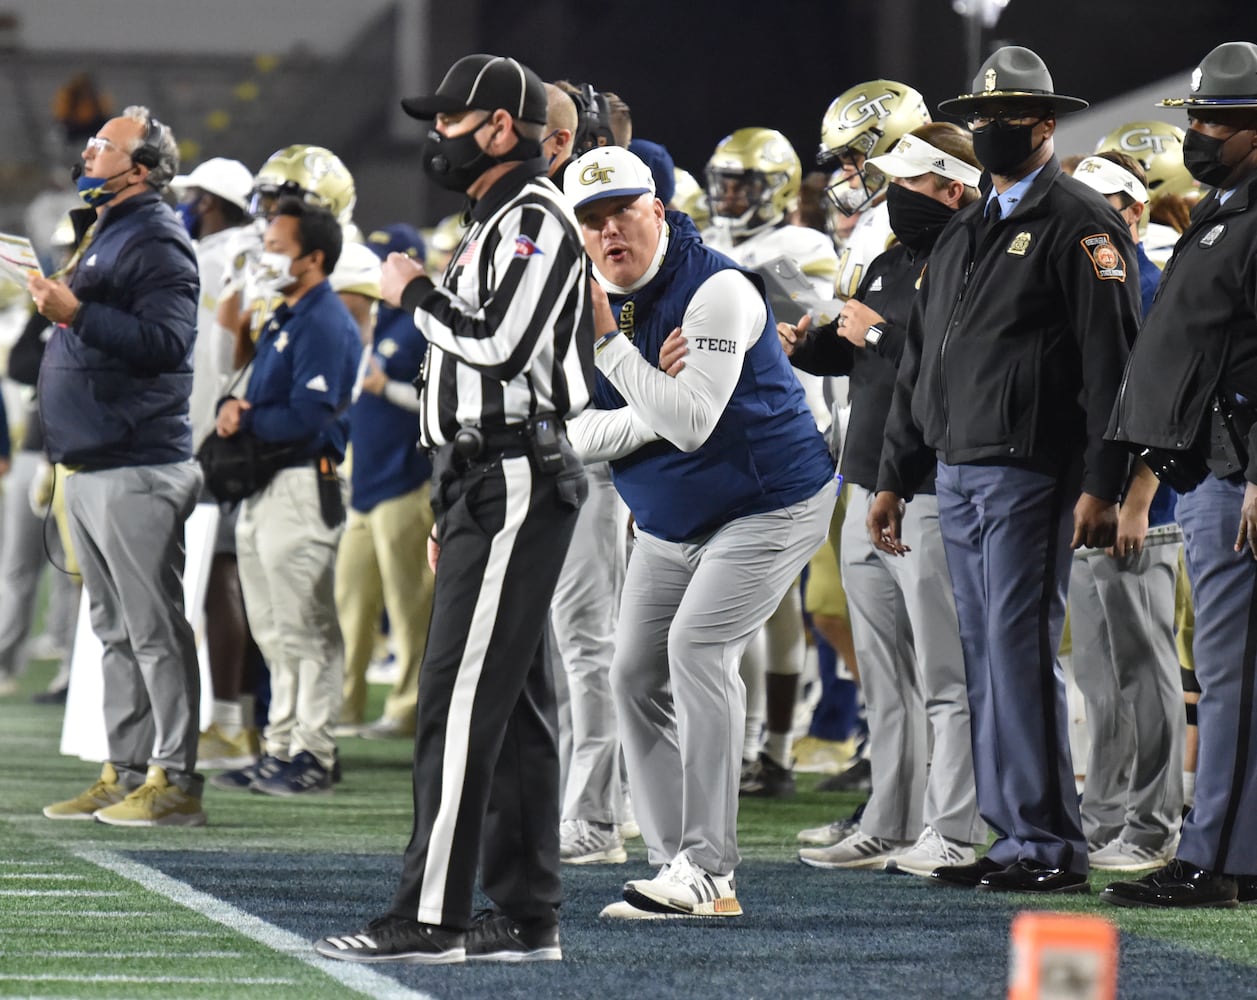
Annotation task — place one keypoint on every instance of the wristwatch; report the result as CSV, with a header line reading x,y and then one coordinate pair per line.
x,y
873,336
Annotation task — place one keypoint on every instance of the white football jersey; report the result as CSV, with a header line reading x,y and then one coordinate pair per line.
x,y
811,250
869,239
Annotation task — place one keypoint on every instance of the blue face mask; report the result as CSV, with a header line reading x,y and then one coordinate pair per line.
x,y
191,221
92,189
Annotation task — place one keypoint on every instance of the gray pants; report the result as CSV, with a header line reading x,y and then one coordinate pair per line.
x,y
127,528
1126,666
22,563
912,674
287,559
583,615
687,613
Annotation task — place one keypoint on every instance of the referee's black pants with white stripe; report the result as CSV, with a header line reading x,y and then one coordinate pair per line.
x,y
486,769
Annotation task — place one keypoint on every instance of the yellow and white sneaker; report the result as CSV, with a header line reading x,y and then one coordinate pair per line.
x,y
155,803
813,755
107,791
683,887
217,751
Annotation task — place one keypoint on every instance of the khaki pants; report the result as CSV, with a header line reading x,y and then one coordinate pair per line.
x,y
287,556
382,564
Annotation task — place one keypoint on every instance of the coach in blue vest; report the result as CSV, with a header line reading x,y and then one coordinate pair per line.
x,y
730,484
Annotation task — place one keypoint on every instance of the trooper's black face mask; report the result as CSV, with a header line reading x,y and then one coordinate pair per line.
x,y
916,218
456,163
1003,148
1202,156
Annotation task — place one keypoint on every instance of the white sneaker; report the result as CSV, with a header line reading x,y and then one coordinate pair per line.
x,y
830,833
683,887
1119,856
932,850
582,843
858,850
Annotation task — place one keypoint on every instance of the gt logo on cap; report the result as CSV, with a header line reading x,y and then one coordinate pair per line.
x,y
594,174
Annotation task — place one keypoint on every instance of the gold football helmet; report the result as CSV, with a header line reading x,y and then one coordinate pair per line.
x,y
311,173
441,241
865,121
690,198
1158,146
753,180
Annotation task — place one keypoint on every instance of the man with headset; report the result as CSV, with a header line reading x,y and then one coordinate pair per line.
x,y
113,395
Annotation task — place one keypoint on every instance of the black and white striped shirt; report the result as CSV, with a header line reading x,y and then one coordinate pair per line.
x,y
510,329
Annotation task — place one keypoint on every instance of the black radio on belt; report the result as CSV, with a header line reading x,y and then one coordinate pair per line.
x,y
546,444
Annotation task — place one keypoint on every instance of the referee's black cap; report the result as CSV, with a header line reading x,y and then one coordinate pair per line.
x,y
486,83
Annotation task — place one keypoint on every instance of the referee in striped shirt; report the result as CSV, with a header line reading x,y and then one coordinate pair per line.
x,y
510,358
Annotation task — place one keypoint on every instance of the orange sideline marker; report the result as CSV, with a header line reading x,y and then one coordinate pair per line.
x,y
1062,956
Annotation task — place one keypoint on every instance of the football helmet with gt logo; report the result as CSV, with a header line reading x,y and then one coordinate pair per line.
x,y
311,173
753,180
862,122
1158,146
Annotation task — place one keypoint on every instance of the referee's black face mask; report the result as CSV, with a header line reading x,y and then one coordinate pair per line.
x,y
457,162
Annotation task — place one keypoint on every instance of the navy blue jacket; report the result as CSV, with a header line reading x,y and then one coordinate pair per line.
x,y
388,462
764,453
303,373
114,386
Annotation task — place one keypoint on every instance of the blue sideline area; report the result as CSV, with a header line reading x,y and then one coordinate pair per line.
x,y
805,934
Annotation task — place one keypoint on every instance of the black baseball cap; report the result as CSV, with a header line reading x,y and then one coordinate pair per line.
x,y
486,83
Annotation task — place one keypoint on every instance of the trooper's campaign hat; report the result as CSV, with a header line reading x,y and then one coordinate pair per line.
x,y
1012,76
1225,78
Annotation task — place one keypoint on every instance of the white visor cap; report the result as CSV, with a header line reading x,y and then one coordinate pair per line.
x,y
912,156
1105,176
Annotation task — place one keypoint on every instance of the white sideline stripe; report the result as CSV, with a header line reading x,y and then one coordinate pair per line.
x,y
52,977
58,892
56,877
23,953
78,931
355,977
111,914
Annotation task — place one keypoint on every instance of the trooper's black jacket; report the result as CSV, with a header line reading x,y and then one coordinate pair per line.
x,y
1200,337
1017,341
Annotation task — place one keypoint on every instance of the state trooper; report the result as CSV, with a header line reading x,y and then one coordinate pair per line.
x,y
1186,399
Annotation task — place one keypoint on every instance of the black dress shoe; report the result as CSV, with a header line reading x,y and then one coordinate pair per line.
x,y
1028,876
1177,885
1246,886
964,876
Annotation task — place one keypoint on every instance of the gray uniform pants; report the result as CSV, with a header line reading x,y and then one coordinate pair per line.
x,y
1126,666
687,613
583,615
22,562
287,560
912,673
127,528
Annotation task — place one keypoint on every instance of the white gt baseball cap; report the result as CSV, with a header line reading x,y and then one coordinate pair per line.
x,y
606,172
1101,174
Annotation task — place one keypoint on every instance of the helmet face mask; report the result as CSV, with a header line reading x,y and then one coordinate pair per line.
x,y
314,174
862,122
753,180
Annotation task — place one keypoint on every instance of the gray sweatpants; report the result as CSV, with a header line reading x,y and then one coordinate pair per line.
x,y
912,673
127,528
1126,665
687,612
583,615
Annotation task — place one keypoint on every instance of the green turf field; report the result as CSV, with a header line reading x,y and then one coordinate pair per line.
x,y
89,911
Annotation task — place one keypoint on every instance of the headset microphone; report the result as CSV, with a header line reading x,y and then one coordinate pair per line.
x,y
440,165
76,171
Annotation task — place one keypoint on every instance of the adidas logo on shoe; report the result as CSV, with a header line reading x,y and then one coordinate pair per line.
x,y
683,887
396,939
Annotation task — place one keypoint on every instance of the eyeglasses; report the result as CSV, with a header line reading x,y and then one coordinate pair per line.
x,y
978,120
99,144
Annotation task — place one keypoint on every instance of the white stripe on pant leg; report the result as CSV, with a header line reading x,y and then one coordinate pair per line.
x,y
517,472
